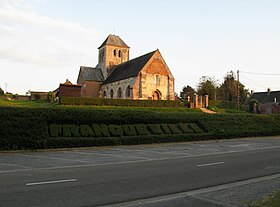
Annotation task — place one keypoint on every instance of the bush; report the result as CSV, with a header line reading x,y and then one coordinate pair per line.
x,y
1,92
29,128
223,104
119,102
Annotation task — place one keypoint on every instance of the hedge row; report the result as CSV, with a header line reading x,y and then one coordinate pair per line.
x,y
223,104
118,102
27,128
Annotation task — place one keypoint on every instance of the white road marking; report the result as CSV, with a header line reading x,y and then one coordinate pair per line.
x,y
51,182
52,158
111,155
13,165
158,150
137,161
210,164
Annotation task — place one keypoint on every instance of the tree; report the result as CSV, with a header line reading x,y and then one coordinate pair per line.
x,y
1,92
187,91
228,89
207,86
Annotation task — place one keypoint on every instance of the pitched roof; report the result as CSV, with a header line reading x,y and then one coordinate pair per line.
x,y
129,69
114,40
264,97
91,74
67,82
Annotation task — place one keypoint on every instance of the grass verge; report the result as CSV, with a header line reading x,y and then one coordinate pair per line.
x,y
269,201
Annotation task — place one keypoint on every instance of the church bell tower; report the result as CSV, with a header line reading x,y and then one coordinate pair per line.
x,y
112,52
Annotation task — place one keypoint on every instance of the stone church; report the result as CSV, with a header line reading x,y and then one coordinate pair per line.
x,y
143,78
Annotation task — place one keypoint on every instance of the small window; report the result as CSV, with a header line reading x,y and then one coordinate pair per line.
x,y
104,94
112,93
128,91
120,93
115,52
157,80
120,53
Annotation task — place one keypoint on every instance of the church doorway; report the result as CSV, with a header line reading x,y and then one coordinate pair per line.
x,y
156,95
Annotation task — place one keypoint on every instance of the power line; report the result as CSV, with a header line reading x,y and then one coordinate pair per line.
x,y
253,81
259,73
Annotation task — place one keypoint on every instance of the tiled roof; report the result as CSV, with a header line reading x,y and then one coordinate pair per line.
x,y
263,97
129,69
114,40
91,74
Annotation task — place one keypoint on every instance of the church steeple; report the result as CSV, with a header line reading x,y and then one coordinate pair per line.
x,y
113,51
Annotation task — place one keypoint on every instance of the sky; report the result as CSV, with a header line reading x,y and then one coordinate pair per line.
x,y
44,42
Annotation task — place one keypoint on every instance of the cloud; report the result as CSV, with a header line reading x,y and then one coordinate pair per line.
x,y
15,15
28,37
24,56
4,28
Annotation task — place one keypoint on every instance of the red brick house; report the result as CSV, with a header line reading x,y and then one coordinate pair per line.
x,y
68,89
90,79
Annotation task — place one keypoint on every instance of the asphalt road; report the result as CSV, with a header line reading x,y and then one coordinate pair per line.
x,y
126,176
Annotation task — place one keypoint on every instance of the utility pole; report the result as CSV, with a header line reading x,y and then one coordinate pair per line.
x,y
238,94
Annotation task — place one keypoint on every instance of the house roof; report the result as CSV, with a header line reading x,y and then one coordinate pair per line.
x,y
114,40
91,74
129,69
67,82
263,97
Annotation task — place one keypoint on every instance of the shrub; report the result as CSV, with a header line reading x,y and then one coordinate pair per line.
x,y
223,104
1,92
35,128
119,102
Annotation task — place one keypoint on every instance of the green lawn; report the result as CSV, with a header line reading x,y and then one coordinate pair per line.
x,y
34,104
269,201
43,104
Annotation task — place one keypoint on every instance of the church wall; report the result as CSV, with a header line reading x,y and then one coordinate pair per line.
x,y
152,83
156,77
122,84
136,92
91,89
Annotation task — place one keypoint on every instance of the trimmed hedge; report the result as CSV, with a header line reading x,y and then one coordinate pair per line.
x,y
118,102
223,104
28,128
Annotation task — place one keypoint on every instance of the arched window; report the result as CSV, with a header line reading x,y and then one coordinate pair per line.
x,y
115,52
120,93
128,92
120,53
111,93
104,94
157,79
